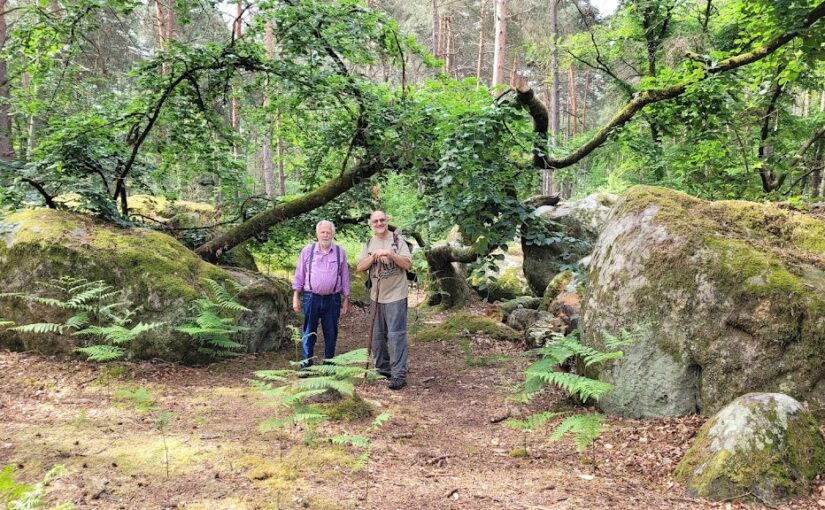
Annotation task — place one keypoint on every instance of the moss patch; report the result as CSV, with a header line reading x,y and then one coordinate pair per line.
x,y
462,324
349,409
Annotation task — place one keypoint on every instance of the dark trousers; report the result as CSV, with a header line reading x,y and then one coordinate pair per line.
x,y
327,309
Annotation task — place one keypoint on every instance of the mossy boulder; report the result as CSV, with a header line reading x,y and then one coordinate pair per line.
x,y
157,274
765,447
191,223
726,298
578,224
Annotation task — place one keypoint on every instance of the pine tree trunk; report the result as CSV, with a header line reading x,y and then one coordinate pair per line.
x,y
480,63
436,22
574,121
500,53
6,147
266,152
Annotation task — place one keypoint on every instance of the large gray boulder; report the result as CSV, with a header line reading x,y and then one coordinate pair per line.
x,y
730,297
764,447
579,224
157,274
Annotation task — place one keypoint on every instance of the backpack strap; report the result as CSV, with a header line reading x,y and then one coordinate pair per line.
x,y
309,268
338,264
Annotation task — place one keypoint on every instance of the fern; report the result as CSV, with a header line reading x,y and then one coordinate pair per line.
x,y
585,428
40,328
532,422
4,323
102,353
291,392
209,326
94,303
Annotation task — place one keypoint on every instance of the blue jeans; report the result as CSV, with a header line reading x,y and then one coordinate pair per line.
x,y
327,309
389,338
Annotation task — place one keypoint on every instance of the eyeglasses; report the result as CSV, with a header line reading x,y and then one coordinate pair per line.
x,y
378,220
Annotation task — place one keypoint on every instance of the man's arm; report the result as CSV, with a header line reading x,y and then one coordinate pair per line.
x,y
298,281
365,259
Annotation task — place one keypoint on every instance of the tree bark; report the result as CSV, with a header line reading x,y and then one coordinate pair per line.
x,y
448,281
6,147
436,22
268,163
500,54
480,62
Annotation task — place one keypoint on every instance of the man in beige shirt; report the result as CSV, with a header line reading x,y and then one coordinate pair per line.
x,y
387,257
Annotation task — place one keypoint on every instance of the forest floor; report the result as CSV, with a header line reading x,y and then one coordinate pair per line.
x,y
445,445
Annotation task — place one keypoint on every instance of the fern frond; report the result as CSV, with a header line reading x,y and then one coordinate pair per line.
x,y
340,372
533,421
44,300
40,328
362,460
86,296
4,323
583,387
77,321
380,420
585,428
350,357
274,375
102,353
357,441
590,355
326,382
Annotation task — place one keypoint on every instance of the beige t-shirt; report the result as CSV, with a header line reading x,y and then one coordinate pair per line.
x,y
393,285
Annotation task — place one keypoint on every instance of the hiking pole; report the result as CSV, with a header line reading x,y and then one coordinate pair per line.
x,y
372,319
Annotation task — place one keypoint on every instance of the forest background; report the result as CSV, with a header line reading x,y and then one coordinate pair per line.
x,y
284,112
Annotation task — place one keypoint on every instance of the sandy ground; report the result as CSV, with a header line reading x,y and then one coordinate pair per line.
x,y
445,445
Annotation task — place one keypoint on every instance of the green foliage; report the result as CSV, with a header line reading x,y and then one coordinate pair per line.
x,y
28,497
92,302
291,392
583,428
215,320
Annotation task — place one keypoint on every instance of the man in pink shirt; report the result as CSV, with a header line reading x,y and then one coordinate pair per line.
x,y
323,278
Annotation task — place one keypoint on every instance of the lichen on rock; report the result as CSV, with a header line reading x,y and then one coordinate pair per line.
x,y
762,446
733,291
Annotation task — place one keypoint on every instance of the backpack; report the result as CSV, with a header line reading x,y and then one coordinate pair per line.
x,y
411,276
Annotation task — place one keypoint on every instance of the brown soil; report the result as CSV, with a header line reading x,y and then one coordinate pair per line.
x,y
444,446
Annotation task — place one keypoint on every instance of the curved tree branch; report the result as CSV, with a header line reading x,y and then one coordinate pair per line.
x,y
642,99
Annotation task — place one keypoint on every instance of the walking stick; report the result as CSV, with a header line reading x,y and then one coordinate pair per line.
x,y
374,315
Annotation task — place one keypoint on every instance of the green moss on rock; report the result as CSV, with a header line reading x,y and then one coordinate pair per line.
x,y
764,447
155,272
463,323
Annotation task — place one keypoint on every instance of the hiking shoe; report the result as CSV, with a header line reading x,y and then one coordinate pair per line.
x,y
305,364
397,384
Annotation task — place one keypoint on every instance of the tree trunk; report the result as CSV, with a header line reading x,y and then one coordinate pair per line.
x,y
266,152
436,22
281,174
448,281
480,63
547,185
6,147
574,121
500,53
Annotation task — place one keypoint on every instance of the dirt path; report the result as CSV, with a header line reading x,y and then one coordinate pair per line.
x,y
444,446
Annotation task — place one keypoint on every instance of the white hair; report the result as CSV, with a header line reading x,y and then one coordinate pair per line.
x,y
325,222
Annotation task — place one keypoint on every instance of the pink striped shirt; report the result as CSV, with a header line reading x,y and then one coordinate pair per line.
x,y
325,275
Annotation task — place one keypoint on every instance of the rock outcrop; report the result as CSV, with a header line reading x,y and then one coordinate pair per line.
x,y
578,224
765,447
156,274
726,298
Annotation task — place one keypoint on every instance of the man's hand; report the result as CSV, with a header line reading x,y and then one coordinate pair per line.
x,y
296,304
345,306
